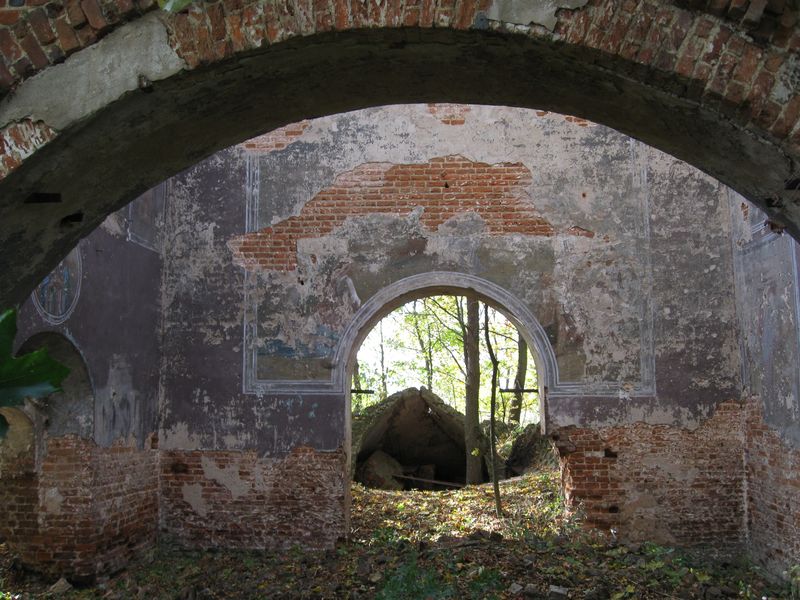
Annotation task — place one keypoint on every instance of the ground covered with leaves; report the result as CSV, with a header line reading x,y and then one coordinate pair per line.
x,y
421,545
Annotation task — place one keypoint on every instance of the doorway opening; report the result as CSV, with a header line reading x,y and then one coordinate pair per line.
x,y
421,397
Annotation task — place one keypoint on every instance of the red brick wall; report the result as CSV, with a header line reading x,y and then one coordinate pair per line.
x,y
87,511
125,495
238,500
443,187
773,493
664,484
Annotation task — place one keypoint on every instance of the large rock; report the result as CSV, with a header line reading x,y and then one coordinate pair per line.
x,y
419,430
531,451
380,471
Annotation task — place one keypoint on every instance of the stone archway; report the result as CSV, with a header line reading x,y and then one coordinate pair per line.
x,y
79,136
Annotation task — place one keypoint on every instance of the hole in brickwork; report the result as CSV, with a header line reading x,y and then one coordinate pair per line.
x,y
179,467
72,219
609,453
792,184
43,198
613,509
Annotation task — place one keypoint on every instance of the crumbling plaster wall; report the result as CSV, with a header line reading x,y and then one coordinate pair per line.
x,y
621,252
87,501
768,300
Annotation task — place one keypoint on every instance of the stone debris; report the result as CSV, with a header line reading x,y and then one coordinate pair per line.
x,y
62,586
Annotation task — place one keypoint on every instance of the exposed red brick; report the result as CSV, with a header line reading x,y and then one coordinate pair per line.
x,y
75,515
773,485
66,36
660,483
9,47
40,25
444,187
9,17
34,52
94,14
277,139
278,503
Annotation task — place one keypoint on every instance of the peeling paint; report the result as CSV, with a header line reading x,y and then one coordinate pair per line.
x,y
226,476
527,12
106,71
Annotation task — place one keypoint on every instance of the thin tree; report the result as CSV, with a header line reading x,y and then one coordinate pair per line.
x,y
471,336
384,393
492,409
425,345
515,412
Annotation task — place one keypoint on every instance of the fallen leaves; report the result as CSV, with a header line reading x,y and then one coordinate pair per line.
x,y
419,545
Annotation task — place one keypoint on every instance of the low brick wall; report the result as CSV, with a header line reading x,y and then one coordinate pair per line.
x,y
232,499
773,494
87,510
658,483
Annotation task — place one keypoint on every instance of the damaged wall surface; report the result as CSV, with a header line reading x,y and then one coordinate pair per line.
x,y
88,91
654,328
84,500
594,234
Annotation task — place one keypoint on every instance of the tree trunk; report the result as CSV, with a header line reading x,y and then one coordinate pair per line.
x,y
515,413
425,349
472,393
356,376
492,409
384,393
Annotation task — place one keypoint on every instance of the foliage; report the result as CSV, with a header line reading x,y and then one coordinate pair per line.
x,y
423,344
410,582
32,375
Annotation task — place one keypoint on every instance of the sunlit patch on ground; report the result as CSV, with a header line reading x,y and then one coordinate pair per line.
x,y
419,545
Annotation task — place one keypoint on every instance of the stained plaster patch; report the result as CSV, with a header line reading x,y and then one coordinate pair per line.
x,y
525,12
193,496
228,477
178,437
52,500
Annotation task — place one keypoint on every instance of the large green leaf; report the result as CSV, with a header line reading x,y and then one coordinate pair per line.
x,y
32,375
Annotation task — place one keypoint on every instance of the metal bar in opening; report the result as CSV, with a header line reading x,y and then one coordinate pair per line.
x,y
516,391
448,483
362,391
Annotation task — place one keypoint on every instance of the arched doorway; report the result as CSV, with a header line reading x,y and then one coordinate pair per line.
x,y
439,283
70,411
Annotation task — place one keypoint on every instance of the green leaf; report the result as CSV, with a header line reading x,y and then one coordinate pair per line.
x,y
174,6
33,375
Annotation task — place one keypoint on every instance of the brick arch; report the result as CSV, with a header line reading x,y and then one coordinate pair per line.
x,y
145,94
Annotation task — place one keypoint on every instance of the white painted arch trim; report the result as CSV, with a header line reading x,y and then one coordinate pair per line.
x,y
443,282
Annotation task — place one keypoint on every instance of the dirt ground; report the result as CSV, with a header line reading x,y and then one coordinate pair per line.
x,y
431,545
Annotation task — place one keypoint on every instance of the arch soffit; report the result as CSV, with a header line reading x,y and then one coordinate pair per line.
x,y
189,111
